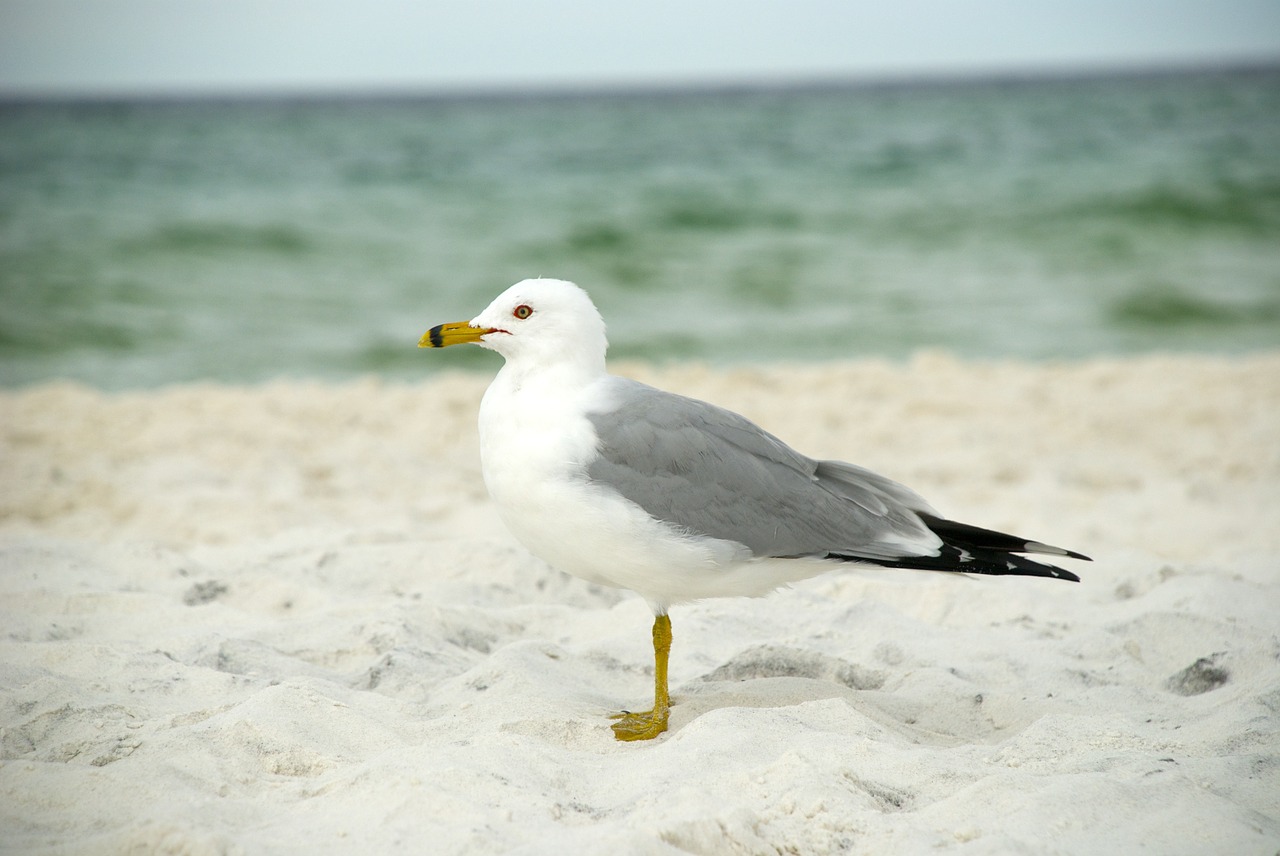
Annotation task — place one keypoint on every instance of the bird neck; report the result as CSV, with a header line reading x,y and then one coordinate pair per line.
x,y
564,373
544,363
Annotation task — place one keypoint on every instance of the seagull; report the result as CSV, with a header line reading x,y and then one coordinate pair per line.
x,y
626,485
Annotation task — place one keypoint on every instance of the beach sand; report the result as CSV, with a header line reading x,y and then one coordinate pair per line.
x,y
286,619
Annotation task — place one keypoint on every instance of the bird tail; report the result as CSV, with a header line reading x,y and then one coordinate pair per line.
x,y
973,550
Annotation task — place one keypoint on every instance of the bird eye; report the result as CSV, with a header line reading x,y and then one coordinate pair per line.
x,y
522,311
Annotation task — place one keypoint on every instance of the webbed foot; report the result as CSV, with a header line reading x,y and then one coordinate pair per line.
x,y
644,725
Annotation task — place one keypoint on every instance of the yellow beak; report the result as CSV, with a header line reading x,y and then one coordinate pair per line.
x,y
444,335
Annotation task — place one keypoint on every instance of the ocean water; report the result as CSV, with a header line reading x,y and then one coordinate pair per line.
x,y
145,243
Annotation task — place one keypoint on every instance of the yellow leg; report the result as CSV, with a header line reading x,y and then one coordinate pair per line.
x,y
650,723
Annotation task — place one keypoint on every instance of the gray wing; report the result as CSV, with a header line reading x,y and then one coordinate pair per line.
x,y
712,472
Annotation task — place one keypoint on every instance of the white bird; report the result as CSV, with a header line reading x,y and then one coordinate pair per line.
x,y
623,484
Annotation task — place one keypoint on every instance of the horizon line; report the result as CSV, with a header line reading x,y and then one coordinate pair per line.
x,y
655,86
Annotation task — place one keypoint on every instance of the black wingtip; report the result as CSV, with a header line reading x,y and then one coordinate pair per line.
x,y
970,549
966,536
969,559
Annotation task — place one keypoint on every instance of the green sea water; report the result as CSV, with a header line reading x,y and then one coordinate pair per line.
x,y
144,243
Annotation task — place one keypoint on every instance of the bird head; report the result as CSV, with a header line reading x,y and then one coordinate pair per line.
x,y
547,320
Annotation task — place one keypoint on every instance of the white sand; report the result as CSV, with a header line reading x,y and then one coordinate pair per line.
x,y
286,620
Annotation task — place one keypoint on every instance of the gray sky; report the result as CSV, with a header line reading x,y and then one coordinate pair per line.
x,y
233,46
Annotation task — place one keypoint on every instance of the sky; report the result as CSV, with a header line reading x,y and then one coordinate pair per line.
x,y
227,47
